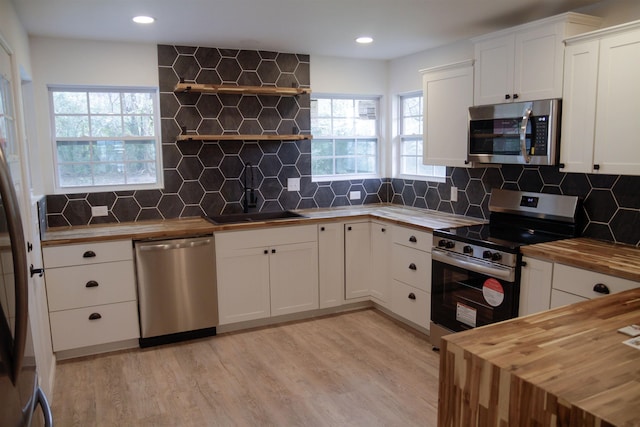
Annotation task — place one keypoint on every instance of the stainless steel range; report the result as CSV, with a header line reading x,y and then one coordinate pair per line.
x,y
476,269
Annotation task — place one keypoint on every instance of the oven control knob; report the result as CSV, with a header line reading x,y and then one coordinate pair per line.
x,y
487,254
442,243
496,256
450,244
467,249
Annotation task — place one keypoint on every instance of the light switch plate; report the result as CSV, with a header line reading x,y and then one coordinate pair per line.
x,y
454,194
293,184
354,195
99,211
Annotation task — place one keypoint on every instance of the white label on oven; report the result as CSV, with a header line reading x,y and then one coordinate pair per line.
x,y
466,314
493,292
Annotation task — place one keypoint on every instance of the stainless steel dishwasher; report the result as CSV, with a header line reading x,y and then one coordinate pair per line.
x,y
177,292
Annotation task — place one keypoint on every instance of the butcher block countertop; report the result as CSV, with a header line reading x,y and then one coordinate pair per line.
x,y
566,366
175,228
590,254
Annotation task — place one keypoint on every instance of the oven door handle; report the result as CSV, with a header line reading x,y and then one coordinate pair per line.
x,y
499,272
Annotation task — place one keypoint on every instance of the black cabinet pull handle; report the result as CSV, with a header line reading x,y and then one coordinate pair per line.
x,y
412,296
596,167
91,284
413,239
413,267
95,316
266,251
561,165
466,162
516,96
383,230
349,228
34,271
89,254
524,263
507,96
273,251
601,288
321,228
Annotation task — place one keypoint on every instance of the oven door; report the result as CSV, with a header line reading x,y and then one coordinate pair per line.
x,y
466,293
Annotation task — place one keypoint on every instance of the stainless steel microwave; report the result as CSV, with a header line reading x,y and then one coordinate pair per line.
x,y
515,133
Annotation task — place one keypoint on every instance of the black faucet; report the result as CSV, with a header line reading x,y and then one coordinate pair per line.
x,y
249,200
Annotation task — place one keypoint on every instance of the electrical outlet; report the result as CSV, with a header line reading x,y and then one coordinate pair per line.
x,y
99,211
354,195
293,184
454,194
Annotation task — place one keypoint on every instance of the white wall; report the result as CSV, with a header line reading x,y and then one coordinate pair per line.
x,y
83,62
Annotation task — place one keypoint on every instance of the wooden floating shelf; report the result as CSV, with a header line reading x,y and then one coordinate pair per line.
x,y
243,137
243,90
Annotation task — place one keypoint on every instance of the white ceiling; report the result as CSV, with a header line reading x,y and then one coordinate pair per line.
x,y
317,27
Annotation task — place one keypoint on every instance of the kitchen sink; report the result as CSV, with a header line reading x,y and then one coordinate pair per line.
x,y
253,217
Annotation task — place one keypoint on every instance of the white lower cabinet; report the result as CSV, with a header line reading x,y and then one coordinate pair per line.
x,y
535,285
331,264
357,259
380,286
411,272
266,272
91,294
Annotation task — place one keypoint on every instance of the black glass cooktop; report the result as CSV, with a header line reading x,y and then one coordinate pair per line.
x,y
507,238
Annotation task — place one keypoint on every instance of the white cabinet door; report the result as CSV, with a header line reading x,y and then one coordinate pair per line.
x,y
538,64
494,70
294,278
331,264
243,284
357,259
535,286
448,94
617,150
579,107
380,262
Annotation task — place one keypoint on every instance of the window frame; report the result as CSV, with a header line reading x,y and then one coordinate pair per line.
x,y
377,137
97,188
402,138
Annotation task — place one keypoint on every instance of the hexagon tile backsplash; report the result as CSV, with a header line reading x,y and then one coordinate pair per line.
x,y
206,178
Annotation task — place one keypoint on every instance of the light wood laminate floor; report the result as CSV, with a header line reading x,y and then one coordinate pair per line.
x,y
355,369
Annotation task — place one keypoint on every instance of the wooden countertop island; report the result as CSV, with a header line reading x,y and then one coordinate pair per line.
x,y
562,367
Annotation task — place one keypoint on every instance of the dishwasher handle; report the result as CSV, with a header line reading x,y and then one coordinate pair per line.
x,y
168,245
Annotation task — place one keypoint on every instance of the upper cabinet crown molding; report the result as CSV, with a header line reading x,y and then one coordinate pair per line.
x,y
445,67
525,63
603,32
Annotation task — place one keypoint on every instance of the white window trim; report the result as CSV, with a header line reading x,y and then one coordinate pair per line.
x,y
159,184
401,137
378,137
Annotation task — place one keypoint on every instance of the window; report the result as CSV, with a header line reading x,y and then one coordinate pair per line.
x,y
105,138
345,137
411,141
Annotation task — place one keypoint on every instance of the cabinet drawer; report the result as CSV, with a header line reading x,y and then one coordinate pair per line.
x,y
87,253
413,238
560,298
73,328
416,310
89,285
412,267
582,282
262,237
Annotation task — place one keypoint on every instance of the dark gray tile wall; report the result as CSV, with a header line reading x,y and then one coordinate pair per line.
x,y
610,203
205,178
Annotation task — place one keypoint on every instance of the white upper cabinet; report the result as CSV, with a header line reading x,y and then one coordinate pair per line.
x,y
447,94
601,104
526,62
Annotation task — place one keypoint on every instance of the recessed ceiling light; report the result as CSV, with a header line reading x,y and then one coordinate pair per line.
x,y
143,19
364,40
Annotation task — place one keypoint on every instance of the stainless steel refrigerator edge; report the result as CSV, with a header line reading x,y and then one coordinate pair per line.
x,y
177,293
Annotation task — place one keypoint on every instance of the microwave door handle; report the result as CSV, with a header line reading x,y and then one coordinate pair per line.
x,y
523,135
